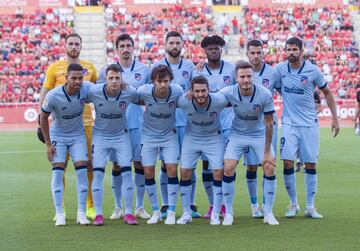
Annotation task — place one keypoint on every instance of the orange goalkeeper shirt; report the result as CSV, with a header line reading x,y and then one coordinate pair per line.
x,y
55,76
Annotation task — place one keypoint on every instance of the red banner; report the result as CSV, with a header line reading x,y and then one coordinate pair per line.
x,y
286,3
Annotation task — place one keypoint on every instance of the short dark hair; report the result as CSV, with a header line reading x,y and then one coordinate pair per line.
x,y
294,41
212,40
74,67
255,43
242,65
123,37
114,68
161,72
172,34
73,35
199,80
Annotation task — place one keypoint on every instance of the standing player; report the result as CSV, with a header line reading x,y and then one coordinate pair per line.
x,y
357,113
263,74
182,70
110,133
66,105
55,76
219,74
252,128
134,74
203,129
300,124
159,136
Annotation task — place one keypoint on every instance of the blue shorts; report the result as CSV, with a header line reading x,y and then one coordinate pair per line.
x,y
119,147
300,139
210,147
135,136
225,135
166,146
238,144
249,155
76,147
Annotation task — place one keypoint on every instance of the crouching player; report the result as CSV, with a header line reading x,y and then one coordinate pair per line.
x,y
110,133
66,134
252,128
202,138
159,137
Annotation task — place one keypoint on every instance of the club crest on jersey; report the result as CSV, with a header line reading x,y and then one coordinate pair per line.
x,y
122,105
304,80
82,101
256,108
265,82
85,71
172,104
137,76
226,80
185,74
213,115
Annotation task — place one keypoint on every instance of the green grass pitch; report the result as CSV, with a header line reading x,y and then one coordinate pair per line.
x,y
27,208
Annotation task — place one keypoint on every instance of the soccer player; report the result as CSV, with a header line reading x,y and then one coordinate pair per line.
x,y
219,74
55,76
202,138
252,128
134,74
110,133
182,70
300,124
66,104
357,113
159,136
263,74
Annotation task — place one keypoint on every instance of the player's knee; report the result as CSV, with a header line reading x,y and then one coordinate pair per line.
x,y
218,174
116,168
186,174
269,170
137,165
252,168
205,165
288,164
310,165
149,172
171,170
80,163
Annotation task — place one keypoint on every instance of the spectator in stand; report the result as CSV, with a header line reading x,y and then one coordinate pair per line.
x,y
235,25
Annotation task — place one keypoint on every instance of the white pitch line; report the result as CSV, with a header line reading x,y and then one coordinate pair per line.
x,y
19,152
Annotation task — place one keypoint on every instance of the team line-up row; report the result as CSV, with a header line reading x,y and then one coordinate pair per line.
x,y
226,113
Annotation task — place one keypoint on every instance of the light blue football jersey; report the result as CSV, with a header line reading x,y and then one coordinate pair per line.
x,y
182,76
66,111
297,89
136,75
110,119
159,115
249,110
218,79
203,121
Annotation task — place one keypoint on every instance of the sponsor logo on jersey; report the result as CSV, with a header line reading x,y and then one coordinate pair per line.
x,y
137,76
85,71
213,115
304,80
185,74
265,82
172,104
256,108
122,105
226,80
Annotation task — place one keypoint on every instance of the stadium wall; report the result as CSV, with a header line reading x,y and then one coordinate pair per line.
x,y
17,116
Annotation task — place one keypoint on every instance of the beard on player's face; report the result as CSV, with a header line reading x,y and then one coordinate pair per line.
x,y
293,58
201,99
174,53
73,54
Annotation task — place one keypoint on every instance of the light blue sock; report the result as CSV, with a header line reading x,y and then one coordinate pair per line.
x,y
139,181
251,181
311,184
173,188
116,182
150,187
81,187
290,184
163,179
98,189
193,187
269,193
208,185
228,187
57,188
185,191
127,188
218,195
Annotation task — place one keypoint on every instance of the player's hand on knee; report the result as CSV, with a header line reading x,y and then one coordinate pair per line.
x,y
269,161
50,151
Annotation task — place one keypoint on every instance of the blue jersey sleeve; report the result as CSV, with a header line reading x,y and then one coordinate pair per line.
x,y
268,104
277,78
319,79
47,105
